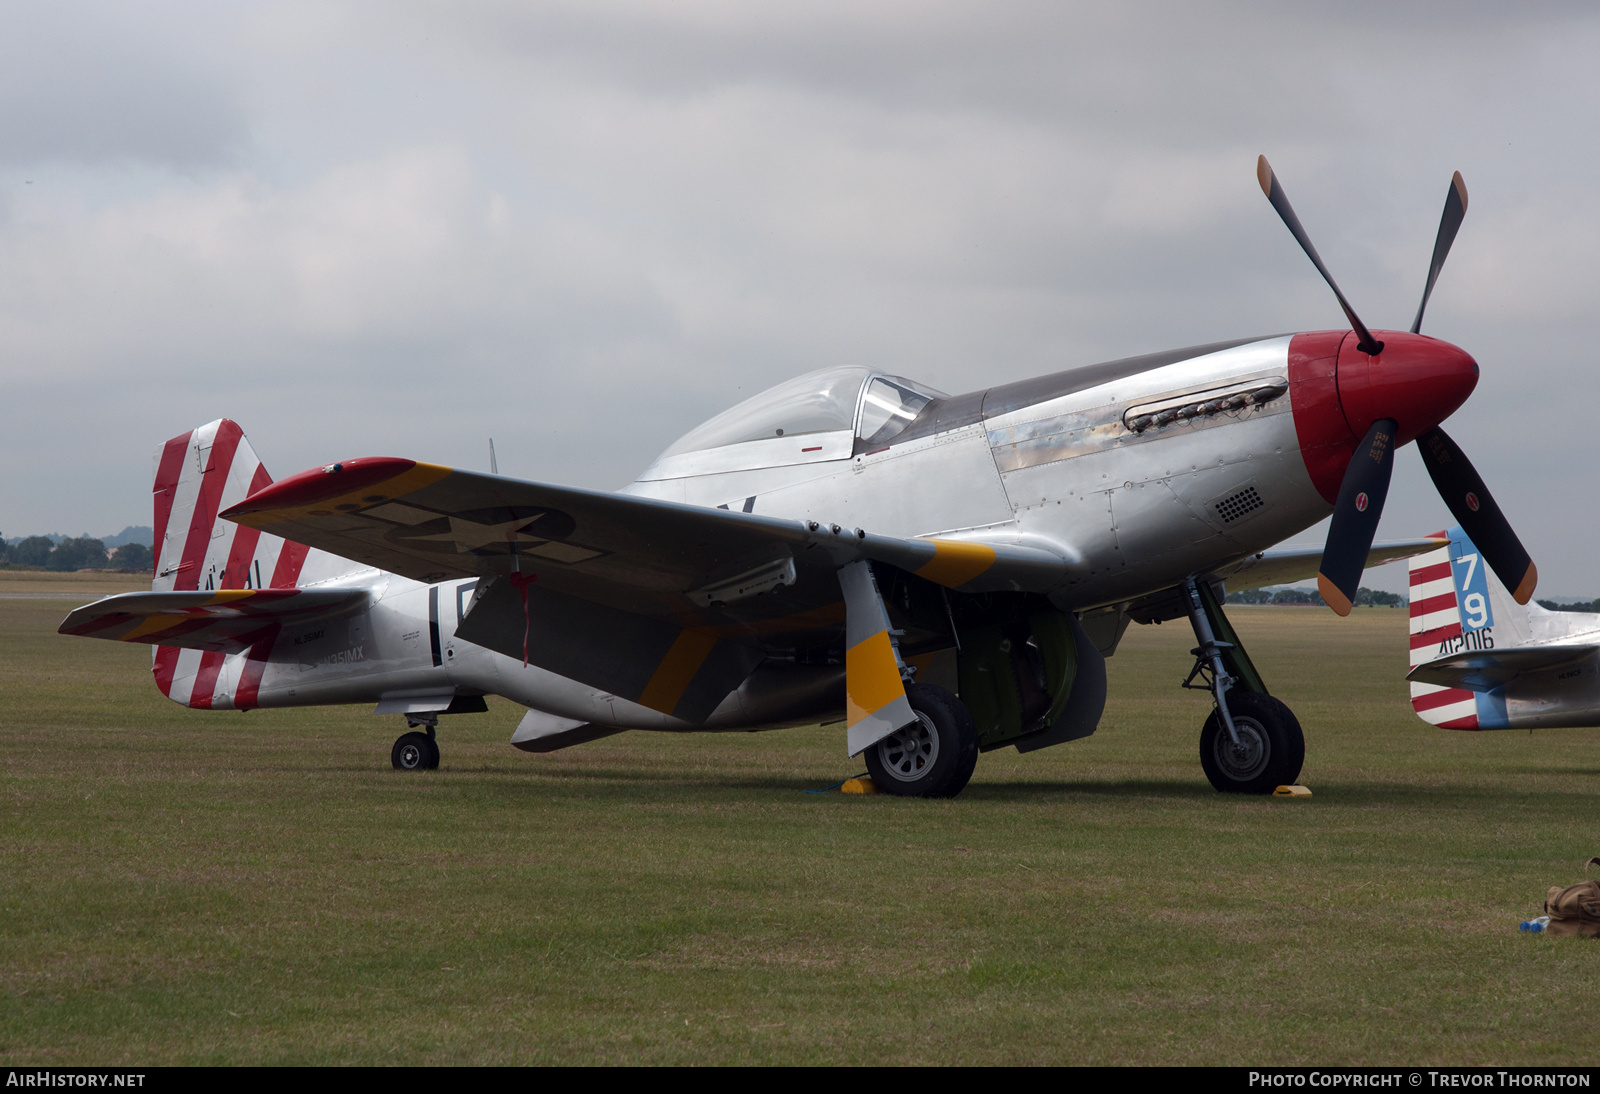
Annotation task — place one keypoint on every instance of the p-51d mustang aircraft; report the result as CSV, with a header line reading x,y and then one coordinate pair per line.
x,y
1480,660
944,573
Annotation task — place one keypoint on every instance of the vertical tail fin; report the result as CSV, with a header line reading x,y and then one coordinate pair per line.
x,y
1456,605
199,474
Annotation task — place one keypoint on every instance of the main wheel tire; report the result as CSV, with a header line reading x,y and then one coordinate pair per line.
x,y
1271,751
932,757
414,752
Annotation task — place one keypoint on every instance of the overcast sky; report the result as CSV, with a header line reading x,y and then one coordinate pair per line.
x,y
400,229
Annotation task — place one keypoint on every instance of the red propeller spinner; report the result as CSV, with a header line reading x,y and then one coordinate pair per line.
x,y
1390,391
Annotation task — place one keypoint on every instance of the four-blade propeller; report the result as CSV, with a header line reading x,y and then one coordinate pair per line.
x,y
1366,478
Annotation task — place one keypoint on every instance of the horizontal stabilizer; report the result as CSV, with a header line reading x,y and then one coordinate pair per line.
x,y
1485,670
226,621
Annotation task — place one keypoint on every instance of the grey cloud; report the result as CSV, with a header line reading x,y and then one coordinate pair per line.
x,y
89,83
1184,72
581,228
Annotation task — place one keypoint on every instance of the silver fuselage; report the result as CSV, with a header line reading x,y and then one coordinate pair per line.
x,y
1131,513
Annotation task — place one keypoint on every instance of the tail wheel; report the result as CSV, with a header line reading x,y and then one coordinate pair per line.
x,y
415,752
1270,752
934,756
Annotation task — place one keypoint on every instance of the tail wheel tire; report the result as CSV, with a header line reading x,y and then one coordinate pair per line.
x,y
415,752
934,756
1270,752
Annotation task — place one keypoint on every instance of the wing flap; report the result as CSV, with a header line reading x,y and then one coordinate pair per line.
x,y
224,621
681,671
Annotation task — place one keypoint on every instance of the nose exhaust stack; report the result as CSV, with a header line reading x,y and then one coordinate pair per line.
x,y
1396,390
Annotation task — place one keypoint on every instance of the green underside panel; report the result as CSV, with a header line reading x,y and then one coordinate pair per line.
x,y
1053,635
988,677
987,685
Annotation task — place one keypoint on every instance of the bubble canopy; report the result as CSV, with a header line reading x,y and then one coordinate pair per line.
x,y
811,419
819,402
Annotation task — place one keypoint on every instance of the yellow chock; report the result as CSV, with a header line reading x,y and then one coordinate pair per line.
x,y
1292,792
863,786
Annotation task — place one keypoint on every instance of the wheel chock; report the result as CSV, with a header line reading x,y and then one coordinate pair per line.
x,y
1292,792
863,785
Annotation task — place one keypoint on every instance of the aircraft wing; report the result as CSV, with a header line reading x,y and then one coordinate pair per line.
x,y
1485,670
1286,565
433,523
225,621
665,604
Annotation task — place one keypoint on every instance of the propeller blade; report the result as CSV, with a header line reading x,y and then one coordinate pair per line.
x,y
1475,510
1355,517
1455,211
1280,201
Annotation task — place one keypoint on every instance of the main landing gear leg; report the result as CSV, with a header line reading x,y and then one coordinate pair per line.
x,y
920,741
415,751
1252,743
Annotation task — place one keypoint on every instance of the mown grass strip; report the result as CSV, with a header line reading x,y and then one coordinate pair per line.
x,y
189,887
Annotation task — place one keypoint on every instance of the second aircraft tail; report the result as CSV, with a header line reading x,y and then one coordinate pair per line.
x,y
1474,648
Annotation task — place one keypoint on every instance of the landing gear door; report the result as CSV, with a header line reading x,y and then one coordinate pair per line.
x,y
1033,681
1079,715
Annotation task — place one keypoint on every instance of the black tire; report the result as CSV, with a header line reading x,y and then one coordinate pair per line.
x,y
414,752
1274,748
935,755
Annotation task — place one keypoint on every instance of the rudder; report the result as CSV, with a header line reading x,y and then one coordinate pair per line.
x,y
198,475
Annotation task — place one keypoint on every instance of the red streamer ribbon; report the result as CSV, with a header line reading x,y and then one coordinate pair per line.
x,y
520,582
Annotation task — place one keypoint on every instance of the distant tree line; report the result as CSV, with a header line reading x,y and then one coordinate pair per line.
x,y
1575,606
1365,597
83,553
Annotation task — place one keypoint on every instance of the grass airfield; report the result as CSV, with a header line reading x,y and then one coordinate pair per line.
x,y
188,887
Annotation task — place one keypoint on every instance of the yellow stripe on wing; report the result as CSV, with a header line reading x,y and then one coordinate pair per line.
x,y
672,676
955,563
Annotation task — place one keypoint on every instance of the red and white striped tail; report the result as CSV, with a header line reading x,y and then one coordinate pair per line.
x,y
198,475
1435,617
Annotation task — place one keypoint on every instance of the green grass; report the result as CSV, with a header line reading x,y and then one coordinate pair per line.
x,y
188,887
